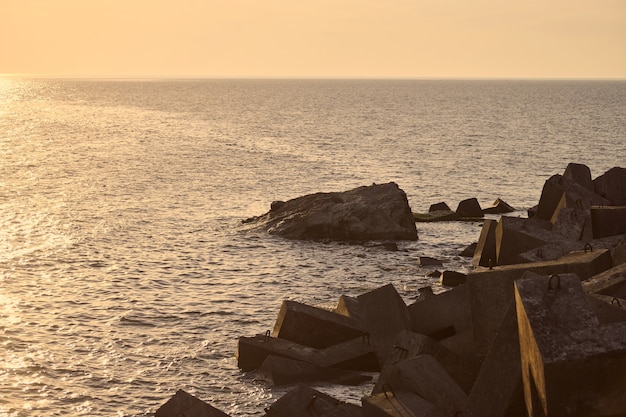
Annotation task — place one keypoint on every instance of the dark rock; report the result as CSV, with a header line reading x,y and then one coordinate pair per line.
x,y
439,207
469,208
468,252
499,207
376,212
434,274
436,216
612,186
452,278
185,404
428,261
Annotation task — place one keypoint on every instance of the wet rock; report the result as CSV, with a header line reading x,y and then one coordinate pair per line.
x,y
426,261
376,212
185,404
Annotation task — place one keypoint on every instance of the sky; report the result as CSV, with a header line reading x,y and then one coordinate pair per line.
x,y
314,38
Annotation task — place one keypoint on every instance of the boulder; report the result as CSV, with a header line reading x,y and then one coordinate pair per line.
x,y
469,208
376,212
612,186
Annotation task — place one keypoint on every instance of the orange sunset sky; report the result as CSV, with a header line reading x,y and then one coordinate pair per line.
x,y
315,38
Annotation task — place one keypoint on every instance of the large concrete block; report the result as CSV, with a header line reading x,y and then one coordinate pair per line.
x,y
571,365
499,207
409,345
185,404
385,315
580,174
571,220
313,326
443,315
349,306
398,404
284,371
513,238
470,208
303,401
356,354
485,254
611,282
608,221
606,309
552,193
491,291
612,186
423,375
498,391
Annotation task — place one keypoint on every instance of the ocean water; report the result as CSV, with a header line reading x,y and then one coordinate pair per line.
x,y
125,272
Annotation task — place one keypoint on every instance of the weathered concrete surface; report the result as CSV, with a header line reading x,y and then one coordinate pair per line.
x,y
356,354
608,221
185,404
571,365
443,315
606,309
284,371
376,212
576,196
385,315
612,186
398,404
409,344
580,174
512,239
313,326
485,254
349,306
611,282
491,291
498,390
303,401
424,376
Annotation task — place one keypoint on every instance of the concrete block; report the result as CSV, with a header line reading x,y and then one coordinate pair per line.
x,y
313,326
470,208
499,207
424,376
439,207
385,316
580,174
607,309
571,365
572,221
397,404
462,344
553,191
611,282
452,279
303,401
356,354
284,371
443,315
437,216
185,404
426,261
491,291
409,345
512,238
485,254
469,250
608,221
618,254
349,306
612,186
498,390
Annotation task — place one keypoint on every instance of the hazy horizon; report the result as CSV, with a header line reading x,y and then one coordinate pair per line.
x,y
341,39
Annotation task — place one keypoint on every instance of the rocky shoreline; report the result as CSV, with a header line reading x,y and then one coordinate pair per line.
x,y
538,327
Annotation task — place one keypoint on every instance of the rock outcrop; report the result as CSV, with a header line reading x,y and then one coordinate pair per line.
x,y
376,212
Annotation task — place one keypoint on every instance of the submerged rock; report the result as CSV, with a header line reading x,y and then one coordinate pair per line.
x,y
376,212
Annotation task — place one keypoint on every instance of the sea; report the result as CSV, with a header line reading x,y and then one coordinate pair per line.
x,y
126,273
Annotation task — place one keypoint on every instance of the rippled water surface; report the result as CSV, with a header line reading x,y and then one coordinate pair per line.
x,y
124,272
